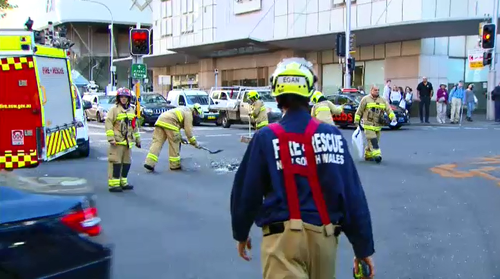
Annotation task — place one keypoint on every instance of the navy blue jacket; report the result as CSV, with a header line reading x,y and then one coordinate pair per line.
x,y
258,193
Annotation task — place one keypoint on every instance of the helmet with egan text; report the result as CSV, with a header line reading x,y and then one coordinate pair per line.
x,y
293,76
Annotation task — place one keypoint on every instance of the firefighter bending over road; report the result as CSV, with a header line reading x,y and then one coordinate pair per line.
x,y
122,132
257,110
371,114
323,109
299,183
168,127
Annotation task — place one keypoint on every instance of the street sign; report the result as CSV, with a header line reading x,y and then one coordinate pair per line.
x,y
139,71
475,57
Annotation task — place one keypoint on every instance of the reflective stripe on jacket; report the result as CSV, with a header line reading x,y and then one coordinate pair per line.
x,y
371,111
118,126
177,119
259,113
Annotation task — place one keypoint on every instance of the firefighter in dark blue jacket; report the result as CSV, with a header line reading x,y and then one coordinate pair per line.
x,y
297,181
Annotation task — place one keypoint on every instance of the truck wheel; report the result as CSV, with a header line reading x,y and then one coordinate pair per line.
x,y
226,123
84,149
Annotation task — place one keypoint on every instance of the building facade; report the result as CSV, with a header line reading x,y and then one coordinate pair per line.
x,y
243,40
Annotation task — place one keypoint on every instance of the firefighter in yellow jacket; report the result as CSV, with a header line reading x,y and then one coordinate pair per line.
x,y
122,132
257,110
168,127
370,116
323,110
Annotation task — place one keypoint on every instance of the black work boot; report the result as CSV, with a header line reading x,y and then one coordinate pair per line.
x,y
149,168
117,168
124,174
378,159
176,169
115,189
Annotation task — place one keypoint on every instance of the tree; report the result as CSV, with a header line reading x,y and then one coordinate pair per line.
x,y
4,6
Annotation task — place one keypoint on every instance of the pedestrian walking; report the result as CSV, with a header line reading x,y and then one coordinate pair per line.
x,y
301,190
408,99
456,98
441,103
425,91
495,96
370,111
122,133
470,101
168,127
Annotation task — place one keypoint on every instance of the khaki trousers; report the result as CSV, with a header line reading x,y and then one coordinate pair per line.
x,y
441,112
119,160
304,254
456,106
373,144
160,135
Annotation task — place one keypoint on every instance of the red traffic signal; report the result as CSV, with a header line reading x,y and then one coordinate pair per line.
x,y
489,34
139,41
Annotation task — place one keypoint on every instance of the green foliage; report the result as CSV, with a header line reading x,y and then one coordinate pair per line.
x,y
4,6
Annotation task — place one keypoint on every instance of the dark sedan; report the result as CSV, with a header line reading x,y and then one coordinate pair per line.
x,y
48,236
152,105
351,103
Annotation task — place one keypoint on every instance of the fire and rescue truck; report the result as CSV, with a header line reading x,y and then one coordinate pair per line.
x,y
37,101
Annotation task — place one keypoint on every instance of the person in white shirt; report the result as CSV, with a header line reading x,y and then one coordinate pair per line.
x,y
395,96
387,90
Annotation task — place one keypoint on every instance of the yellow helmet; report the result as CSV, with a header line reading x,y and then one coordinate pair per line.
x,y
253,95
293,76
197,108
315,97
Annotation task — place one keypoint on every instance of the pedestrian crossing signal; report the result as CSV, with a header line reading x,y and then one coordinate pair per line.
x,y
488,38
139,41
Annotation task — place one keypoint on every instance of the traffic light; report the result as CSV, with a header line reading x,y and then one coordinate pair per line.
x,y
487,58
139,41
340,45
352,43
351,64
489,34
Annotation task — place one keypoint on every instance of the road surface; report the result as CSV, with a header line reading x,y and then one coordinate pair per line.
x,y
434,202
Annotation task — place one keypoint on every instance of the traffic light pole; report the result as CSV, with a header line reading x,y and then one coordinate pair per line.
x,y
490,106
347,75
138,60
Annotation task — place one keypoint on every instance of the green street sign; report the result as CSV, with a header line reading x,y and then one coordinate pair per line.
x,y
139,71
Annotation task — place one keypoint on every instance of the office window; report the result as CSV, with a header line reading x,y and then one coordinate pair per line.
x,y
184,6
169,26
190,23
183,19
164,27
190,6
169,9
164,9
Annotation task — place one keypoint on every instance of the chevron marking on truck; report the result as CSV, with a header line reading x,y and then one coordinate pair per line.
x,y
60,141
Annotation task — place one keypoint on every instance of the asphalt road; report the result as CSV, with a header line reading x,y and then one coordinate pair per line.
x,y
433,205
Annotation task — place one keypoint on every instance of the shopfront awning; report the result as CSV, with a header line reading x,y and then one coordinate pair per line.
x,y
226,48
160,60
397,32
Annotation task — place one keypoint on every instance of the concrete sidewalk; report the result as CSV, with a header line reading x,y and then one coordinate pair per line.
x,y
479,120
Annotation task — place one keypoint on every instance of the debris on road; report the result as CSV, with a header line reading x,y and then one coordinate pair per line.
x,y
224,166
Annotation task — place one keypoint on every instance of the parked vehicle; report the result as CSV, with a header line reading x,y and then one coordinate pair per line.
x,y
351,101
101,104
51,237
233,105
189,97
152,105
82,128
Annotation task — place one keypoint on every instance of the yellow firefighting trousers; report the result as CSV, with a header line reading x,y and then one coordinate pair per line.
x,y
160,135
119,159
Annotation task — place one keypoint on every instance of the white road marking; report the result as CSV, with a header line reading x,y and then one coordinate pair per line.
x,y
218,135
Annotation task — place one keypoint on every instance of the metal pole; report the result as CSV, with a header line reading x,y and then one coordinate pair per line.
x,y
490,106
347,75
216,72
111,44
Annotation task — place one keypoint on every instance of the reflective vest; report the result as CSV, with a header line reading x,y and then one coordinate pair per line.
x,y
309,171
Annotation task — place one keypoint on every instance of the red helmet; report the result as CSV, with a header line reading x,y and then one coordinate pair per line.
x,y
123,92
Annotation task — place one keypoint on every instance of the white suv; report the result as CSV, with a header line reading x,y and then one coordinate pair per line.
x,y
82,131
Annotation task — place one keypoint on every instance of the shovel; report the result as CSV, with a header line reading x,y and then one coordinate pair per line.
x,y
184,141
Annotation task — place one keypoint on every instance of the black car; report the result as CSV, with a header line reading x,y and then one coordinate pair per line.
x,y
152,105
351,101
49,236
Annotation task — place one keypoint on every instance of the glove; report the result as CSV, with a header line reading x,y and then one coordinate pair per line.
x,y
194,143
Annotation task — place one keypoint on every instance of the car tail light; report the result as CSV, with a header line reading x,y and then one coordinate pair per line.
x,y
83,221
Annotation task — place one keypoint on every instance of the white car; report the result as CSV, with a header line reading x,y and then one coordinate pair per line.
x,y
189,97
82,130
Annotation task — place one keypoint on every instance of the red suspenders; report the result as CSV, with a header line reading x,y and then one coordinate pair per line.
x,y
309,171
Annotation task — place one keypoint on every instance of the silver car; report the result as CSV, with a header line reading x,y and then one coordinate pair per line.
x,y
100,108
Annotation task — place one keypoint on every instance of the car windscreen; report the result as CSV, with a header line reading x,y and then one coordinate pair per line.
x,y
105,100
153,99
200,99
265,96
